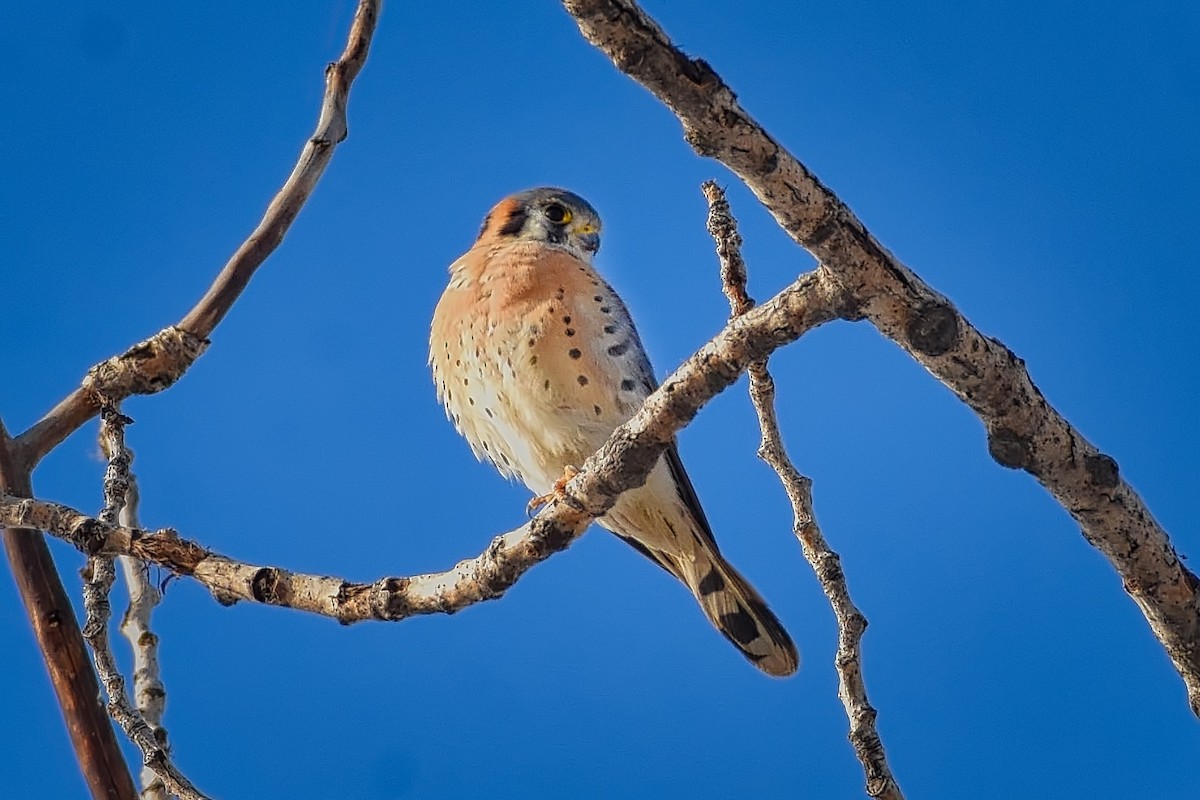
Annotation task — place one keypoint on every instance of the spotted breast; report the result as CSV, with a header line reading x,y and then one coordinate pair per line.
x,y
537,361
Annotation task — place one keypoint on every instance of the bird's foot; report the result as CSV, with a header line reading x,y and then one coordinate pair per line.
x,y
558,492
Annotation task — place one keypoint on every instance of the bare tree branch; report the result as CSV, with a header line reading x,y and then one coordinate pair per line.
x,y
99,576
149,693
62,646
621,464
146,368
158,362
852,690
391,598
1024,430
120,506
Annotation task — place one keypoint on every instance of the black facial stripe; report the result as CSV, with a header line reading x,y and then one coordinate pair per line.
x,y
486,221
514,223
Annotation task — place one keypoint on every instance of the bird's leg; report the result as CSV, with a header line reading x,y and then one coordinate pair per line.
x,y
558,492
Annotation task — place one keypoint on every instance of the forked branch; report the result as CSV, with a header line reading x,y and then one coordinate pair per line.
x,y
146,368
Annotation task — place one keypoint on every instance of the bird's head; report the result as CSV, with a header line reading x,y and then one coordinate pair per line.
x,y
546,214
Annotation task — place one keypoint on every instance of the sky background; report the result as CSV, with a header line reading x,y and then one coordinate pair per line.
x,y
1035,162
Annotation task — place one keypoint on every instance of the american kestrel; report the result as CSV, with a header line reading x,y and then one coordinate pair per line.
x,y
537,361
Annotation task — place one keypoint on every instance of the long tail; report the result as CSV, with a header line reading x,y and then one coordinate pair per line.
x,y
739,613
663,521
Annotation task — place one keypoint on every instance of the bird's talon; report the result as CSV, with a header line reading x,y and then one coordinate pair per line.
x,y
537,503
557,492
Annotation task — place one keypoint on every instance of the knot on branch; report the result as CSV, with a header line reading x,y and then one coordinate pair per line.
x,y
934,329
91,535
145,368
391,598
1010,449
1102,471
271,586
166,548
548,537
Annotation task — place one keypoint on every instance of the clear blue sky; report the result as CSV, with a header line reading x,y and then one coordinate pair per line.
x,y
1035,162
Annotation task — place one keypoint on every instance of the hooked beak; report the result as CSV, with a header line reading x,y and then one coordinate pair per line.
x,y
588,236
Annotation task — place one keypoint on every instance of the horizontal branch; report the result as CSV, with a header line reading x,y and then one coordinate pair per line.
x,y
390,598
1024,430
621,464
158,362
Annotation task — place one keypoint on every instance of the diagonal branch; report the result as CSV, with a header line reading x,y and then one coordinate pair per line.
x,y
1024,430
62,646
158,362
622,463
827,565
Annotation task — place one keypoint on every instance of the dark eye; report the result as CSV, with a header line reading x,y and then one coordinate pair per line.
x,y
557,214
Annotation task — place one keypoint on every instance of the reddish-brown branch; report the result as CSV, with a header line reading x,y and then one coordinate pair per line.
x,y
58,637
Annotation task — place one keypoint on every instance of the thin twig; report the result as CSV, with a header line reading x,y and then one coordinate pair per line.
x,y
149,693
1024,430
99,575
852,690
159,361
